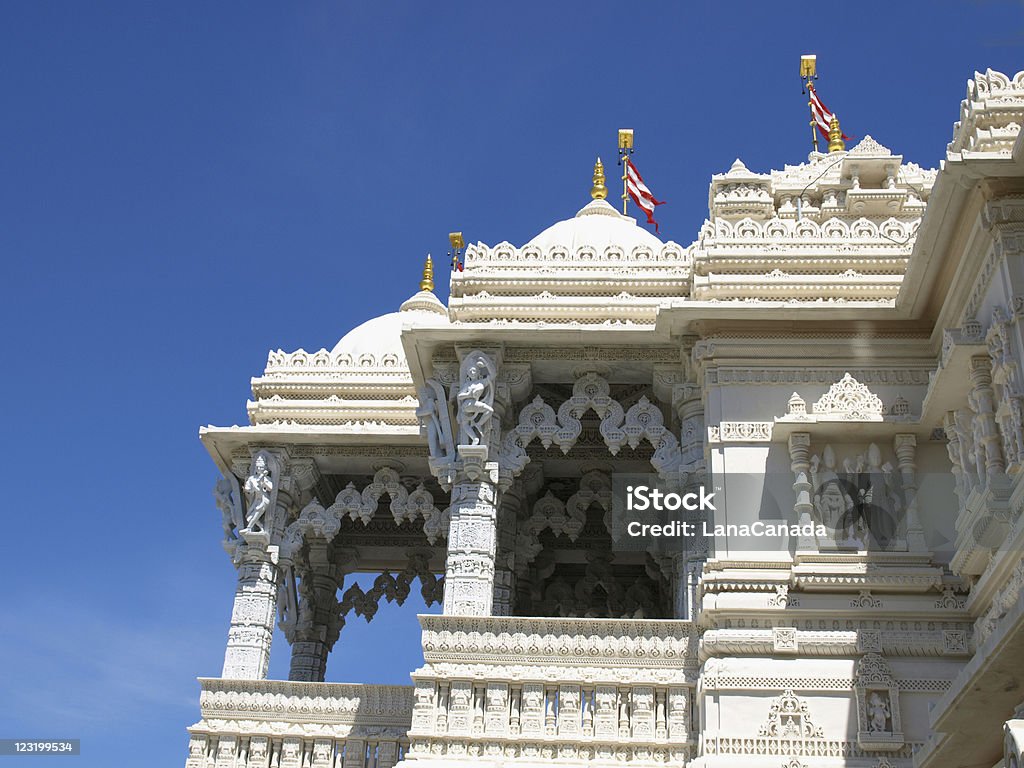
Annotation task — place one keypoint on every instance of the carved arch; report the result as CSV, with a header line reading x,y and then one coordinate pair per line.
x,y
538,420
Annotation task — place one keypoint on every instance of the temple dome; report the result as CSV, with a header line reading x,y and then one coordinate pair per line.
x,y
378,341
597,225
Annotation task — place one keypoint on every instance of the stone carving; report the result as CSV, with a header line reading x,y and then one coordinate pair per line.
x,y
643,421
796,408
1003,601
228,498
393,588
784,640
259,487
404,506
476,398
238,712
590,392
788,718
550,512
1008,384
865,600
435,419
877,705
981,127
879,714
863,502
743,432
849,400
987,440
595,488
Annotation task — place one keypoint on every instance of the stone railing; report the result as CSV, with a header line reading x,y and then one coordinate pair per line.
x,y
576,690
281,724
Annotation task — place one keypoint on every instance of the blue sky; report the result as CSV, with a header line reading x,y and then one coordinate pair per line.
x,y
184,186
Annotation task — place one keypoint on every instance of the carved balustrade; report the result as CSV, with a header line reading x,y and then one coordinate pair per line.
x,y
281,724
578,690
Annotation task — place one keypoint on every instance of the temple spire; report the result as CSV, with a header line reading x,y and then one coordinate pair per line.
x,y
835,136
427,283
599,191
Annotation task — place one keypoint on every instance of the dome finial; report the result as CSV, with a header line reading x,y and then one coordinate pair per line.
x,y
599,191
427,283
835,136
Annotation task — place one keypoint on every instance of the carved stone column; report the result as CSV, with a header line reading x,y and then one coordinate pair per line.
x,y
799,456
247,655
955,456
269,498
686,399
906,447
681,605
469,570
983,401
319,623
504,573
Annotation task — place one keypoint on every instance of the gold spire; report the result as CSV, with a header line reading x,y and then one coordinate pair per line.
x,y
427,283
835,136
599,191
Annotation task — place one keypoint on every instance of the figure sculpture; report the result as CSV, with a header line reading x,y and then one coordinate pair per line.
x,y
476,399
224,493
258,487
878,713
436,419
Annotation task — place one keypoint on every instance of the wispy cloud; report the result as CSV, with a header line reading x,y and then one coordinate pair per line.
x,y
73,669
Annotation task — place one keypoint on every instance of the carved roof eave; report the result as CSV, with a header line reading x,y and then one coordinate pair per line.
x,y
954,204
866,429
687,316
221,442
333,412
583,309
620,279
420,343
801,282
796,262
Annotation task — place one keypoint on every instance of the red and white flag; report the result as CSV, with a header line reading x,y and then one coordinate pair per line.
x,y
640,193
822,117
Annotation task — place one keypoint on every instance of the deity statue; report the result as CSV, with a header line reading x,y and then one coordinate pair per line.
x,y
832,495
435,417
968,449
258,487
476,399
226,497
978,435
878,713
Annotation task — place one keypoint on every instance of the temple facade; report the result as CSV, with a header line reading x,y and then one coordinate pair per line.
x,y
836,360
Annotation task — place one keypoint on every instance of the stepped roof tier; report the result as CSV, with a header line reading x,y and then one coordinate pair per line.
x,y
362,385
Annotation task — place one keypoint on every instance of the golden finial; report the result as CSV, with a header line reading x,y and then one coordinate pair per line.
x,y
427,283
835,136
599,191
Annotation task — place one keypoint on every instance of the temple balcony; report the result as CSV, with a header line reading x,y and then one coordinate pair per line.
x,y
580,691
286,724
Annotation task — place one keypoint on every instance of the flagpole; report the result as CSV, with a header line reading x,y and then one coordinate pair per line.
x,y
809,72
455,238
625,150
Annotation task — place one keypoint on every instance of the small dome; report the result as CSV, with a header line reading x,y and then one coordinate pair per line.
x,y
597,225
380,338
